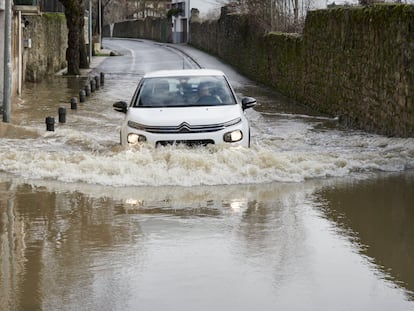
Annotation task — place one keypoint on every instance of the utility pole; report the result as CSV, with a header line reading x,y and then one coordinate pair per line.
x,y
90,32
7,63
100,22
188,20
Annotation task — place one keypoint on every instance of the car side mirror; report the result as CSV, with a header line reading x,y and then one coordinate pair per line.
x,y
121,106
248,102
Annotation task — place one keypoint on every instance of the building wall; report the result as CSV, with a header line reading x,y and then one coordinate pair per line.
x,y
354,63
180,23
47,55
1,54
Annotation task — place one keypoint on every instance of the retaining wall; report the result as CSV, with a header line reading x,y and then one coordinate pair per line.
x,y
158,29
48,35
354,63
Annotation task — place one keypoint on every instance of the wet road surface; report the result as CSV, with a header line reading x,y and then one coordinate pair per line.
x,y
312,217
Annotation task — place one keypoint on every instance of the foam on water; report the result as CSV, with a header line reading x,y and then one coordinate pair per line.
x,y
283,153
287,146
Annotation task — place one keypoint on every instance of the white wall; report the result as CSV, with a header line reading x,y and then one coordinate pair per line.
x,y
178,35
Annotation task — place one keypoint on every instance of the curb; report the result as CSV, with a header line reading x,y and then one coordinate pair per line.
x,y
96,61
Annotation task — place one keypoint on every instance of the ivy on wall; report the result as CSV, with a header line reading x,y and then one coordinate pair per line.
x,y
174,12
352,62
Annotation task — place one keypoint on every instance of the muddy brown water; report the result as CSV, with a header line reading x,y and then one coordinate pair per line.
x,y
312,217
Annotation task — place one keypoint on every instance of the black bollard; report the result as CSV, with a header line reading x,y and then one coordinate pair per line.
x,y
82,95
102,78
73,103
87,90
50,124
93,85
98,84
62,115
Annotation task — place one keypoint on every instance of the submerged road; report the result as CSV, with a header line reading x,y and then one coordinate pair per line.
x,y
312,217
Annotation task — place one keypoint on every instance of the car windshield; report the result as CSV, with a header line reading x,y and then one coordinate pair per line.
x,y
184,91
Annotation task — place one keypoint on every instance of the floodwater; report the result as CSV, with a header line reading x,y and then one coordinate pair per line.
x,y
312,217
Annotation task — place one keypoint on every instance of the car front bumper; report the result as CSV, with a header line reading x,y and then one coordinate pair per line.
x,y
237,135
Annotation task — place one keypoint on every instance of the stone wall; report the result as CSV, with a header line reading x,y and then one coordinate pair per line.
x,y
366,59
48,34
150,28
354,63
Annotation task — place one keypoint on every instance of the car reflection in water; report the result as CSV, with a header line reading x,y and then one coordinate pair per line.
x,y
167,207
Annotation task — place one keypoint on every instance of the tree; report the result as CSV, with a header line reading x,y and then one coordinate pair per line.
x,y
98,15
275,15
76,55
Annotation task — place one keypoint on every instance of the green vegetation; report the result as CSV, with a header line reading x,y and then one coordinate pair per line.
x,y
174,12
60,17
350,62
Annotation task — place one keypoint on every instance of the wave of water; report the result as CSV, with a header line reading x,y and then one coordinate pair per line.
x,y
291,151
288,145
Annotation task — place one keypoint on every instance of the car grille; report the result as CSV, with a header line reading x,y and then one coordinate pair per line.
x,y
183,127
190,143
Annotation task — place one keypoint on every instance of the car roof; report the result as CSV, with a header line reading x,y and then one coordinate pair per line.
x,y
183,72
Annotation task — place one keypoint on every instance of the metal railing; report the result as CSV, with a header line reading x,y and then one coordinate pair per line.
x,y
25,2
45,5
51,6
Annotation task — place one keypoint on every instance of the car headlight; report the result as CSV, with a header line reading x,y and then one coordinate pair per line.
x,y
134,139
233,136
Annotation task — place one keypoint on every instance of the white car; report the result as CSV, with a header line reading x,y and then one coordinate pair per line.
x,y
190,106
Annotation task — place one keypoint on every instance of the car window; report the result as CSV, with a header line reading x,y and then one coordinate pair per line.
x,y
184,91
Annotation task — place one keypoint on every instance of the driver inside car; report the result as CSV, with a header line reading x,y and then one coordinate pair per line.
x,y
205,95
